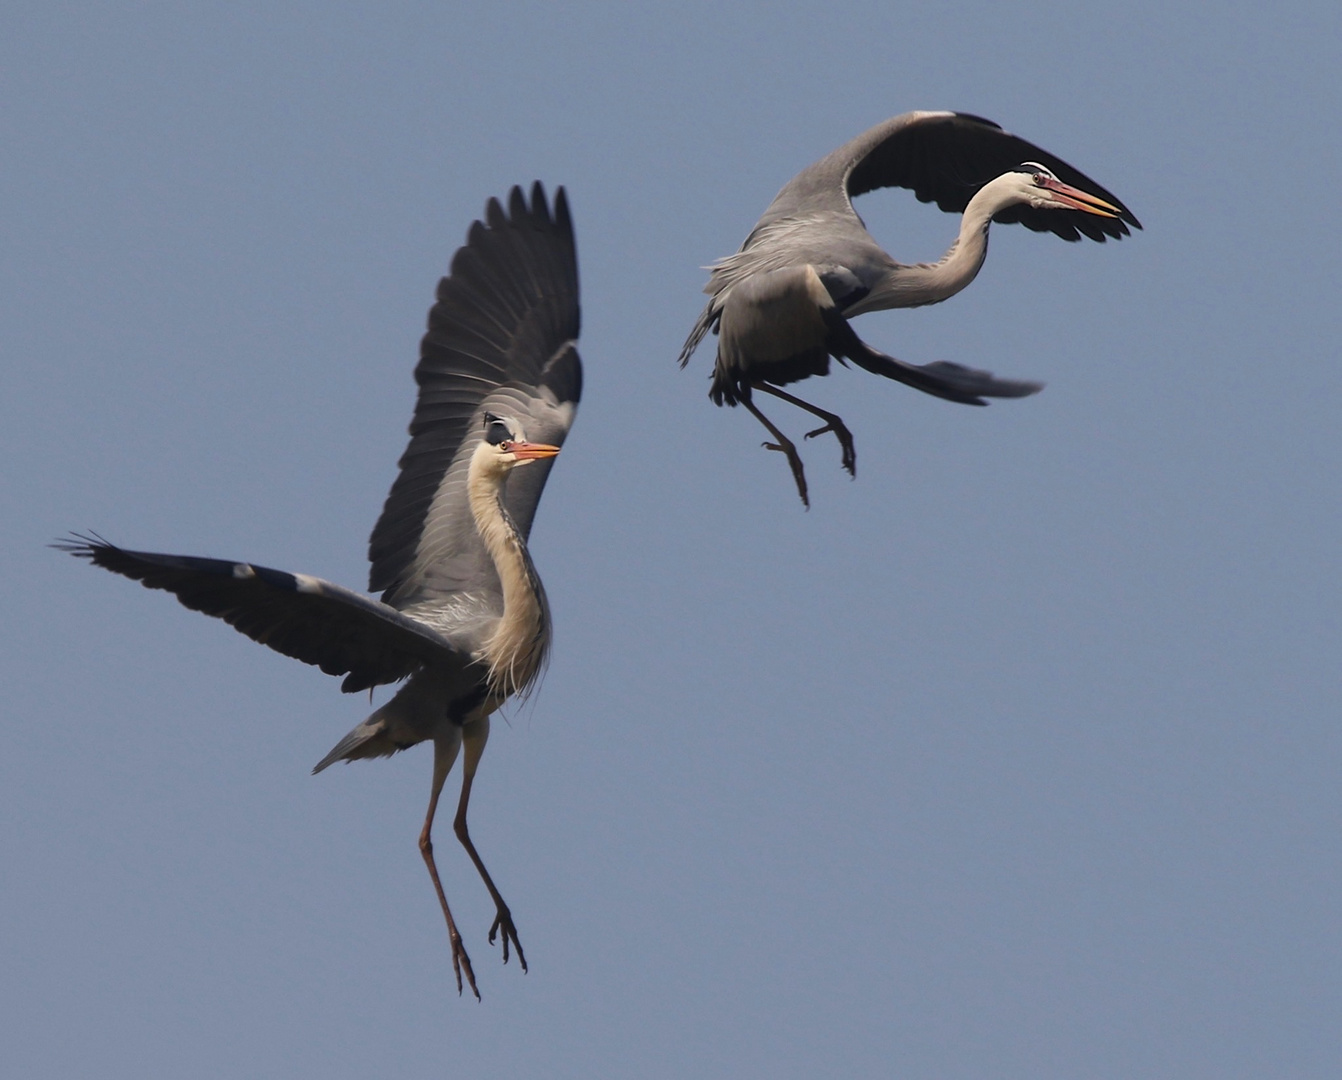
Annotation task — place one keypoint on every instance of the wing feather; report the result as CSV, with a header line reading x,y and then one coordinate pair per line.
x,y
944,158
500,339
338,630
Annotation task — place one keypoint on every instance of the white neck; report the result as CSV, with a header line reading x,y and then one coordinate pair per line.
x,y
516,649
931,283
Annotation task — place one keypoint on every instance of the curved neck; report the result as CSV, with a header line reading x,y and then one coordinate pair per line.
x,y
516,649
930,283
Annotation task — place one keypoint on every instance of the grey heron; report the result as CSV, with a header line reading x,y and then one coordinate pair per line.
x,y
463,616
780,306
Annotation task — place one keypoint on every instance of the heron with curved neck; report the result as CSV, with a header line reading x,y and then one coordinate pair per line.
x,y
780,306
510,658
462,617
1029,184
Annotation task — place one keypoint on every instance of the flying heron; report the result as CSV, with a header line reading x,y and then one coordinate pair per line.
x,y
780,306
463,616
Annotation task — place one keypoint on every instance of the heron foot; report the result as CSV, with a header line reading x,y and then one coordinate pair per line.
x,y
504,921
788,450
845,437
459,961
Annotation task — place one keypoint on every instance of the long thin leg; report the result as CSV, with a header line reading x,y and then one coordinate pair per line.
x,y
832,423
784,446
444,754
475,735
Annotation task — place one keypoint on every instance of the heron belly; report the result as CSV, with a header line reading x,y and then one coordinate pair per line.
x,y
772,330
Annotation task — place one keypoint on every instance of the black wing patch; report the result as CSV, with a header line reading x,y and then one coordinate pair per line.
x,y
335,629
946,158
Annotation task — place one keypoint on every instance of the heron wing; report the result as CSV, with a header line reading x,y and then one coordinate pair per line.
x,y
338,630
942,157
501,339
941,378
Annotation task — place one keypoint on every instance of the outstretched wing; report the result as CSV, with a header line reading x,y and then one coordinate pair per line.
x,y
943,157
501,339
340,631
944,378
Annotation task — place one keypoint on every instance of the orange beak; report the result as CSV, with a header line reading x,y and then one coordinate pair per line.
x,y
1080,200
533,451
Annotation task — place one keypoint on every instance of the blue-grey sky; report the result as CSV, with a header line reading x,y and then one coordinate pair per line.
x,y
1017,756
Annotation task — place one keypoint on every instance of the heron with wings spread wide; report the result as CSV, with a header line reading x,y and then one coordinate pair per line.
x,y
780,306
463,616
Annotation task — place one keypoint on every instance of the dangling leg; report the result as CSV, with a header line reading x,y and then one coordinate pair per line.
x,y
475,735
832,423
444,754
784,446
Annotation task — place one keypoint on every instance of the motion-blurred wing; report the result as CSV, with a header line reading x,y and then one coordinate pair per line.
x,y
501,339
945,157
340,631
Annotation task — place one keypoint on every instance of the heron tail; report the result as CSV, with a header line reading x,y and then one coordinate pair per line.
x,y
368,739
408,718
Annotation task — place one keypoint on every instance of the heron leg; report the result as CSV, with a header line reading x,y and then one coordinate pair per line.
x,y
474,736
784,446
832,423
444,755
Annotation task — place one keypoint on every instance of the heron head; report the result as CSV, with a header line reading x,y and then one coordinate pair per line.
x,y
1034,184
504,446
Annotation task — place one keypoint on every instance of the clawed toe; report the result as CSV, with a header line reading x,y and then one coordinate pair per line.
x,y
845,437
794,463
459,961
504,921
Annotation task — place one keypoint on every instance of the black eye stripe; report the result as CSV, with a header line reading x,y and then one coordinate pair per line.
x,y
496,431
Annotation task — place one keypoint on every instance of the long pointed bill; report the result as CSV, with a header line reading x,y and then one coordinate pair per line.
x,y
1080,200
533,451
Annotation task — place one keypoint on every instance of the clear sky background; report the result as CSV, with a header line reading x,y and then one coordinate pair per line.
x,y
1017,756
